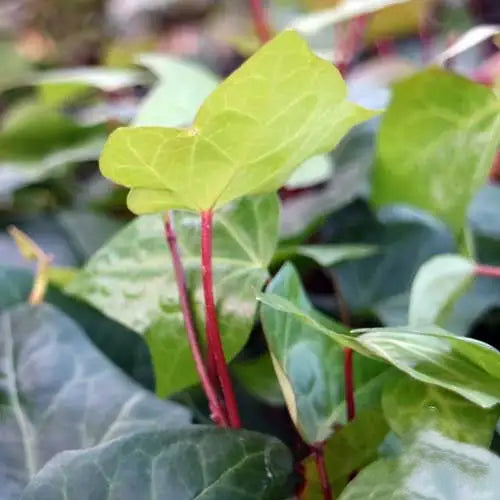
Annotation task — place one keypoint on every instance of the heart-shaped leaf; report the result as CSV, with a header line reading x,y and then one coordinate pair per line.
x,y
436,144
437,284
432,467
411,406
59,393
203,463
281,107
465,366
131,280
309,365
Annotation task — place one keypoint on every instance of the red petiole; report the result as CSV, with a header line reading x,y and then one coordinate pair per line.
x,y
212,326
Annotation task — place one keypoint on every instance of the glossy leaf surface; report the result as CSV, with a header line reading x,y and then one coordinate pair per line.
x,y
411,406
59,393
465,366
131,280
437,284
288,104
432,467
436,144
203,463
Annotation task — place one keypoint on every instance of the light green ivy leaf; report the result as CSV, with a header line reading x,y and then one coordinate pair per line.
x,y
436,144
411,406
283,106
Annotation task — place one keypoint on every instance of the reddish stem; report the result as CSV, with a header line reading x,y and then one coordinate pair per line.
x,y
351,42
319,459
349,385
490,271
212,326
495,169
218,412
259,17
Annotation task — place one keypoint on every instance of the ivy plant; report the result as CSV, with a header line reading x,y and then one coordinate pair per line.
x,y
204,350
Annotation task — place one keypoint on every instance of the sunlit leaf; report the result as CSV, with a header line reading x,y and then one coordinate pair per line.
x,y
131,280
469,39
411,406
188,464
431,467
437,284
465,366
59,393
175,99
436,144
286,103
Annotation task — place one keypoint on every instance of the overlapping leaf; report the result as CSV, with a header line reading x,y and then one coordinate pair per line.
x,y
436,144
309,365
203,463
465,366
281,107
431,467
131,280
411,406
437,284
59,393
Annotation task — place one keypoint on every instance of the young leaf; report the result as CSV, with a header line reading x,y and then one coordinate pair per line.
x,y
411,406
349,449
199,462
329,255
59,393
465,366
131,280
437,284
281,107
436,144
433,466
315,170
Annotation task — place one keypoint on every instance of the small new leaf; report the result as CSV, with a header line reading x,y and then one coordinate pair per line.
x,y
283,106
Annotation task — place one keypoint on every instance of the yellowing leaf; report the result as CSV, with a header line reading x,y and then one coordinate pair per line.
x,y
281,107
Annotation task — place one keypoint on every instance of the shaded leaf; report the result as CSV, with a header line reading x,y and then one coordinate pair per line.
x,y
131,280
404,237
313,171
202,463
287,103
258,377
465,366
432,467
123,347
329,255
437,126
59,393
437,284
411,406
348,450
